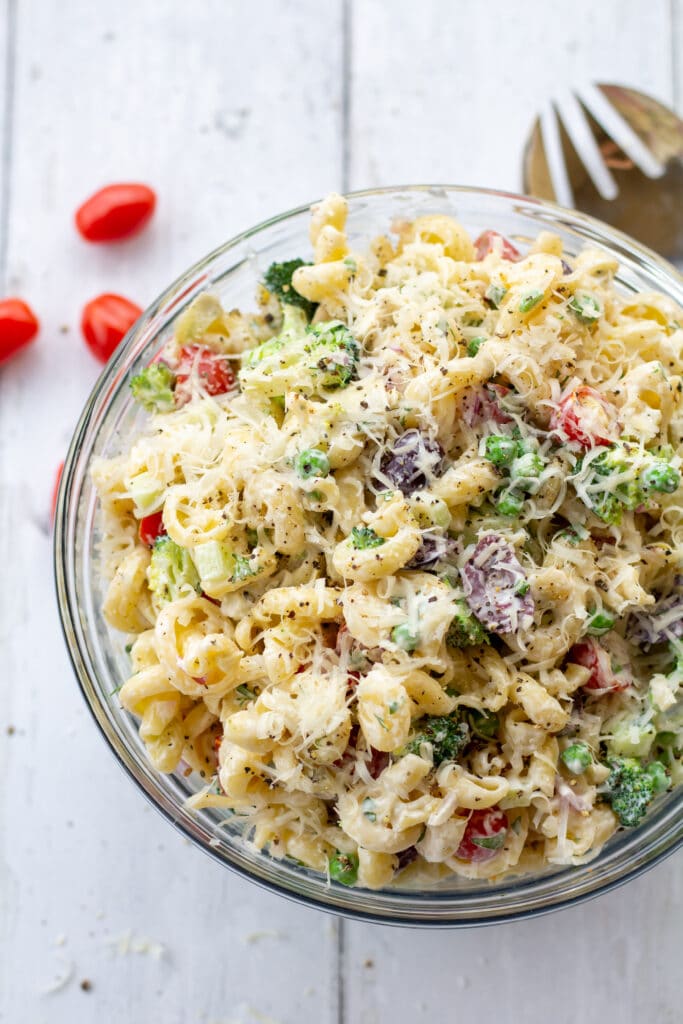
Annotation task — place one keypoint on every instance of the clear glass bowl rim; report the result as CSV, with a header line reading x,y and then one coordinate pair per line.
x,y
657,838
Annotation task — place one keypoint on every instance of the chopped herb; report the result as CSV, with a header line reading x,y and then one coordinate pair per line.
x,y
474,344
530,300
585,307
363,537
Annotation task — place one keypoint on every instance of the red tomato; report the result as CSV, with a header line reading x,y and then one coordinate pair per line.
x,y
105,321
591,655
489,241
55,490
212,371
151,527
18,326
585,416
115,212
484,835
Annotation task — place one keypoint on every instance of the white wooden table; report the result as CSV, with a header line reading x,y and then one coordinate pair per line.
x,y
235,111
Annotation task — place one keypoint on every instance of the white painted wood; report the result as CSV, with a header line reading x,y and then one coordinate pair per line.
x,y
214,104
447,92
466,82
235,111
611,961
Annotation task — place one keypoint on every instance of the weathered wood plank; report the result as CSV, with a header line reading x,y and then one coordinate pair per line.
x,y
447,92
232,111
611,961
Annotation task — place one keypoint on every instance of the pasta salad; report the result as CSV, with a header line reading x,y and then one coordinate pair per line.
x,y
401,552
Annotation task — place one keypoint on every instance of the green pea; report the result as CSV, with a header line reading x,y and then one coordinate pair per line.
x,y
474,344
530,300
660,477
311,462
405,636
509,504
522,588
577,758
585,307
344,867
600,623
500,449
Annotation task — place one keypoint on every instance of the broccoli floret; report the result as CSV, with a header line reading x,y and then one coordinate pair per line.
x,y
630,788
171,572
153,388
278,281
644,474
448,737
336,354
363,537
315,359
465,629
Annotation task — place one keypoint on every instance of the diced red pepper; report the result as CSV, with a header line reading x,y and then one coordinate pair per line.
x,y
492,241
484,835
593,656
151,527
584,415
212,370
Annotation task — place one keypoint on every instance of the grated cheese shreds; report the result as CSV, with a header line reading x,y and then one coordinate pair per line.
x,y
407,554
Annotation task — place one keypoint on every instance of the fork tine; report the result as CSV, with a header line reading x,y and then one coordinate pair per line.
x,y
552,144
578,130
609,118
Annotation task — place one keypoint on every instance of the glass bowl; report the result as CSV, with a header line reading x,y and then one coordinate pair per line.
x,y
110,419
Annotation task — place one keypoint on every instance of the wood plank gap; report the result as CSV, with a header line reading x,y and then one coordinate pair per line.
x,y
347,72
341,972
8,124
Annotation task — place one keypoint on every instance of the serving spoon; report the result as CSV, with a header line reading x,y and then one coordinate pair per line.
x,y
616,154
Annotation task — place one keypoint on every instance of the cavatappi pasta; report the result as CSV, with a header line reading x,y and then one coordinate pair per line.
x,y
401,553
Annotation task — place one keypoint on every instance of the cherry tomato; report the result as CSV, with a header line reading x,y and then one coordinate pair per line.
x,y
105,321
115,212
585,416
55,490
592,656
151,527
484,835
18,327
489,241
212,371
